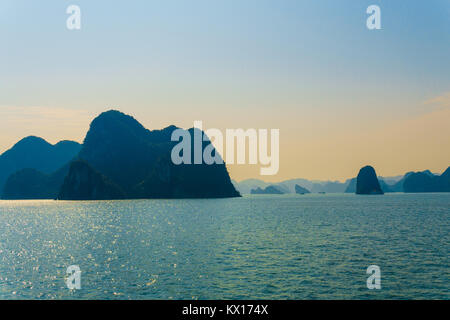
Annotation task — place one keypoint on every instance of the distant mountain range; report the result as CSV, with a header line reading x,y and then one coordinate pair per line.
x,y
119,159
267,190
301,190
277,189
288,186
424,181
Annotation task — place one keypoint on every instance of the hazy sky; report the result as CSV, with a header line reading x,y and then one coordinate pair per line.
x,y
342,96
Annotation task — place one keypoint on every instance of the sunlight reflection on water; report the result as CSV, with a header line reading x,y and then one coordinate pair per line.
x,y
255,247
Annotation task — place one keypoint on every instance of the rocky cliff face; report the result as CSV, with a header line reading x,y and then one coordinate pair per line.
x,y
367,181
84,183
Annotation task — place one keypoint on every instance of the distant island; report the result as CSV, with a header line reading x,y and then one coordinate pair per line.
x,y
367,181
119,159
424,181
427,182
268,190
276,189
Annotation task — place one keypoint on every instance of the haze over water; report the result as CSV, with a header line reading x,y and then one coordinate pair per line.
x,y
255,247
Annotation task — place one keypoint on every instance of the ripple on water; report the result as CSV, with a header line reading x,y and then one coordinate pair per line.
x,y
255,247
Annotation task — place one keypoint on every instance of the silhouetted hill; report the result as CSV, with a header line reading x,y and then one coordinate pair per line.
x,y
268,190
36,153
446,174
84,183
138,161
121,159
351,188
34,184
367,181
301,190
425,181
119,147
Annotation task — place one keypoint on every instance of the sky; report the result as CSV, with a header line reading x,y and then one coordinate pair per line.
x,y
342,96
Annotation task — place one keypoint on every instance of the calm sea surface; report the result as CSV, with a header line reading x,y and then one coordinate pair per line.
x,y
255,247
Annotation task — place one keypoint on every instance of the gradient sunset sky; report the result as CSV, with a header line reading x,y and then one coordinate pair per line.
x,y
342,96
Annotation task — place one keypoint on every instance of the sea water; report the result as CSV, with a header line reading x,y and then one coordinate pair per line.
x,y
254,247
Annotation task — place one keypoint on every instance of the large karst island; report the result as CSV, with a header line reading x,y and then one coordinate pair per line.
x,y
119,159
367,181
